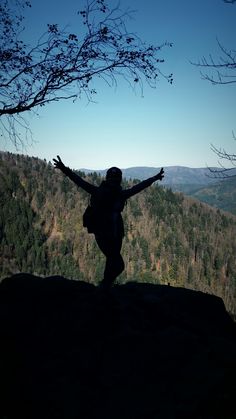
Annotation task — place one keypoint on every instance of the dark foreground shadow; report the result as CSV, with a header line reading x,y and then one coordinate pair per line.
x,y
142,352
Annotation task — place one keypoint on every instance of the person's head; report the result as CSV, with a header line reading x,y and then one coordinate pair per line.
x,y
114,175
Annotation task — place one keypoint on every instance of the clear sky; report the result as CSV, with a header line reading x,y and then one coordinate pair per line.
x,y
170,125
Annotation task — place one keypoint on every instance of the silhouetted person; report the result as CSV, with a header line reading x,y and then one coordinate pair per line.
x,y
104,214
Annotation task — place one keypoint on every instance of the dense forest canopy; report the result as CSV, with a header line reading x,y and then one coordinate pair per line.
x,y
169,238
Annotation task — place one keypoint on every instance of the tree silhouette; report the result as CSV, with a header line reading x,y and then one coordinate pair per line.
x,y
223,72
62,65
223,69
223,172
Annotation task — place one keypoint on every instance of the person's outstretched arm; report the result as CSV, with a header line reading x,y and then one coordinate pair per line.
x,y
73,176
142,185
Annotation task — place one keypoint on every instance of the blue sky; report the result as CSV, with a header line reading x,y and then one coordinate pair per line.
x,y
170,125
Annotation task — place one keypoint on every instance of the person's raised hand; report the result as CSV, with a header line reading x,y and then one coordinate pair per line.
x,y
160,175
58,163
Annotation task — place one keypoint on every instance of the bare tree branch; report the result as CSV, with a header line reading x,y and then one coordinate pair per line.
x,y
223,172
223,69
62,65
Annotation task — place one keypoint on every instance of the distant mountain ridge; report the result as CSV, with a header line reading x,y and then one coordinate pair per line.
x,y
173,174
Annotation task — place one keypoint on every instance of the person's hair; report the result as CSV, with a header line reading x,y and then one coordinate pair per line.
x,y
114,173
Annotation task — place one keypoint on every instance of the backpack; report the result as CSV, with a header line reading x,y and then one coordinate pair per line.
x,y
101,203
89,219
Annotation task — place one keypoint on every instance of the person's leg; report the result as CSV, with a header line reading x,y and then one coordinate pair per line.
x,y
114,267
114,262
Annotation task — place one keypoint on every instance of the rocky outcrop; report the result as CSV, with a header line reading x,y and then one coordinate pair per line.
x,y
140,352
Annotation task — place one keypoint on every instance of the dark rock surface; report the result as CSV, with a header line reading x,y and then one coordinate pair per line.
x,y
143,352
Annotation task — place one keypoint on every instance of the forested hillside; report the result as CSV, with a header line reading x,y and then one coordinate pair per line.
x,y
169,238
221,195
